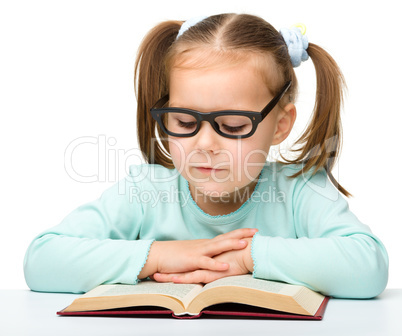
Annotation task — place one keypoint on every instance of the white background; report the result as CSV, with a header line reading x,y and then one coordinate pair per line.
x,y
66,73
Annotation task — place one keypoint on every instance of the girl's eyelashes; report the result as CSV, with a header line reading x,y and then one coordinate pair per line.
x,y
187,124
233,129
227,128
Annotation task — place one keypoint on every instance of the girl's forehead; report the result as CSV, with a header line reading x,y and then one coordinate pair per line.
x,y
235,75
201,61
209,59
229,87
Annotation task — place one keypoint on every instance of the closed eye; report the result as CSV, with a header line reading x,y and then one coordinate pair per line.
x,y
187,124
233,129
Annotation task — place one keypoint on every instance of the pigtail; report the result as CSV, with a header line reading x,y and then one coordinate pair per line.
x,y
321,141
150,84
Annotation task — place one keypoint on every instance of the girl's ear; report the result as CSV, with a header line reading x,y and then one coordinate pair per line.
x,y
284,123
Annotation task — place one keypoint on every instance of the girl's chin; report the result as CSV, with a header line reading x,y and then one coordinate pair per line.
x,y
213,189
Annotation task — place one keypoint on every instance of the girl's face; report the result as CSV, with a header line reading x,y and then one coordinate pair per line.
x,y
212,164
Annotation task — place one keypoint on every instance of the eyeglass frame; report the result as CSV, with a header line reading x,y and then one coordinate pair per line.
x,y
255,117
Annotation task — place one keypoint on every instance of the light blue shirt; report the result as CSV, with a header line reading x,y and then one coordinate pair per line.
x,y
307,234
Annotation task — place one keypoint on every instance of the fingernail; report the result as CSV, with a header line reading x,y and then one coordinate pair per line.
x,y
243,242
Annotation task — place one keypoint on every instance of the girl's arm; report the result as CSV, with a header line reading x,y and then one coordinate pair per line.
x,y
94,244
100,243
334,252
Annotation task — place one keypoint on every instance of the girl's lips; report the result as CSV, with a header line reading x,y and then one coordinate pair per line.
x,y
208,170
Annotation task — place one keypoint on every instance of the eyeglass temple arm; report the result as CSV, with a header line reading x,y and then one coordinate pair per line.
x,y
275,100
161,102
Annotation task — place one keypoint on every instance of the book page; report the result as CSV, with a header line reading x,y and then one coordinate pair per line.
x,y
178,291
248,281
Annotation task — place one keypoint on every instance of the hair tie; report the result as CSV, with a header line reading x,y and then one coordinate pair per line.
x,y
189,23
296,42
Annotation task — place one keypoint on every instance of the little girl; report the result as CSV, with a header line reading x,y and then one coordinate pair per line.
x,y
214,94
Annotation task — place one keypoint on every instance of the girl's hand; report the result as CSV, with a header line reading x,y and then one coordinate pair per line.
x,y
240,262
190,255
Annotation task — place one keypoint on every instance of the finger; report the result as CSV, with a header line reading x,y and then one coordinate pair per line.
x,y
199,276
208,263
239,233
215,248
165,277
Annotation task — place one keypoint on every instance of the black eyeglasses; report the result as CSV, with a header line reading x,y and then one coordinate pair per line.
x,y
233,124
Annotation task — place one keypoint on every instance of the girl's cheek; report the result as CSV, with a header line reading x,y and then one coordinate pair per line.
x,y
177,151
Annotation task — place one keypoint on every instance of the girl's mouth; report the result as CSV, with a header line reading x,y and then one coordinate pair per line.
x,y
207,170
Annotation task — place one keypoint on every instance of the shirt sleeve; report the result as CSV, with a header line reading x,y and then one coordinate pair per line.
x,y
333,253
95,244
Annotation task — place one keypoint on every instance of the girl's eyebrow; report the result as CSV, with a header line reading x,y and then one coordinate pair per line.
x,y
184,106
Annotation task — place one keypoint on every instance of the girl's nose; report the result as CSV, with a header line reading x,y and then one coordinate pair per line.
x,y
207,138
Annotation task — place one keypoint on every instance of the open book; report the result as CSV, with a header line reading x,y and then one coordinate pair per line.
x,y
253,297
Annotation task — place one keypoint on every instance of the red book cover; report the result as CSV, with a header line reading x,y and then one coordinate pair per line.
x,y
223,310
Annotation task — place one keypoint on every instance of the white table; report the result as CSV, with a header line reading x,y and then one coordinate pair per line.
x,y
23,312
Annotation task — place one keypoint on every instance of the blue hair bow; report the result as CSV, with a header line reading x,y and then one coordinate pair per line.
x,y
297,44
189,23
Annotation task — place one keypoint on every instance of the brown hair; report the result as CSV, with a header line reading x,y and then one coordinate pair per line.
x,y
235,36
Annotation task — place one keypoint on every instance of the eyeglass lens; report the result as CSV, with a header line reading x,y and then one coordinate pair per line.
x,y
183,123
